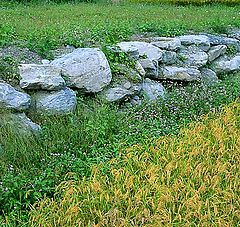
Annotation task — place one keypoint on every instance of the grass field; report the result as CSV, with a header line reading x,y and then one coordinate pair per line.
x,y
30,169
44,27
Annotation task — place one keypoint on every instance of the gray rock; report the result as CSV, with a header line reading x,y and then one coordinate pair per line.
x,y
45,62
143,49
55,102
86,69
151,70
152,89
222,65
235,33
136,101
12,99
20,123
117,94
219,40
180,73
165,43
216,51
208,75
46,77
201,41
127,85
140,69
169,57
193,56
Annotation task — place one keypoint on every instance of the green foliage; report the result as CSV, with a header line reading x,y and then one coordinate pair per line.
x,y
231,50
8,69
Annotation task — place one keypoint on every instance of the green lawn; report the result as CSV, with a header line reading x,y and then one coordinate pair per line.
x,y
45,27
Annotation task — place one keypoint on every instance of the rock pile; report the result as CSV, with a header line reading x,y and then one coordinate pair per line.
x,y
47,88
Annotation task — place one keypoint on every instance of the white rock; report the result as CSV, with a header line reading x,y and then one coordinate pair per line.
x,y
180,73
55,102
221,65
216,51
46,77
12,99
143,48
117,94
152,89
140,69
201,41
45,62
219,40
149,67
86,69
208,75
166,43
193,56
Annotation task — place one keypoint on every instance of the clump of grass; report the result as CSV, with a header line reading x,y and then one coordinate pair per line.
x,y
189,179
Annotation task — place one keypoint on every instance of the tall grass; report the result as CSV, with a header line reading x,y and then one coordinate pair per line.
x,y
185,180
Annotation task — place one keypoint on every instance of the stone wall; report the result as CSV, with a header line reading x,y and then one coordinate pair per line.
x,y
49,88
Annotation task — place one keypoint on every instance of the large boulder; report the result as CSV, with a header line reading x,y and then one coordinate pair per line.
x,y
152,89
193,56
171,44
144,49
12,99
86,69
180,73
200,41
55,102
223,65
216,51
46,77
20,123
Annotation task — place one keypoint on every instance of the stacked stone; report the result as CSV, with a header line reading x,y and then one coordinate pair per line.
x,y
50,87
50,84
185,58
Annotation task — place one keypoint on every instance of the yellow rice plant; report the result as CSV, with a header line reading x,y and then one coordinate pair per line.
x,y
192,179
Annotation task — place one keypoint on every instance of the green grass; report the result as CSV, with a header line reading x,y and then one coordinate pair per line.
x,y
45,27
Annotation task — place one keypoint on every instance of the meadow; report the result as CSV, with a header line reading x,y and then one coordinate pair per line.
x,y
77,154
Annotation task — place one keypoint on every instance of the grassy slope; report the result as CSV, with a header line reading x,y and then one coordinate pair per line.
x,y
45,27
186,180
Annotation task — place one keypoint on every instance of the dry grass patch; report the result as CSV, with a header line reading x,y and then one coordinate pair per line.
x,y
192,179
